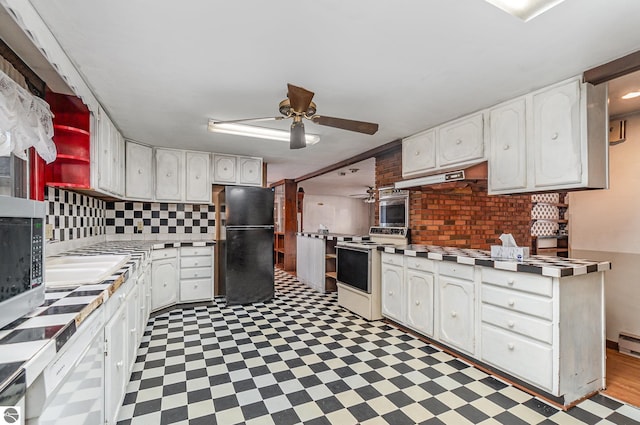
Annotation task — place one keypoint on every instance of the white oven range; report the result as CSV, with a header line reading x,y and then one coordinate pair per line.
x,y
358,269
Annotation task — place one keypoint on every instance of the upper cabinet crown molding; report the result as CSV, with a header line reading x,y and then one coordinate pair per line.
x,y
551,139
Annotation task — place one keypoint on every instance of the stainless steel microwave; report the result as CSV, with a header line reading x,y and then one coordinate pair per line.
x,y
21,257
393,207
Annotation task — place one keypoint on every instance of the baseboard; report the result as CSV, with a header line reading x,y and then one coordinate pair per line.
x,y
612,344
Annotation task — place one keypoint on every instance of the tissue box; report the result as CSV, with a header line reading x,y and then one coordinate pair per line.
x,y
509,252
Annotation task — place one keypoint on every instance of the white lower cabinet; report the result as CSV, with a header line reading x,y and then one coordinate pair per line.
x,y
196,274
420,301
164,278
116,371
457,313
393,297
134,319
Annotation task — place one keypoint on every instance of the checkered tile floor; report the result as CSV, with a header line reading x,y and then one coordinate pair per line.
x,y
301,359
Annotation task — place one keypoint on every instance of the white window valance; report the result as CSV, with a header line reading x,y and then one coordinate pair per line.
x,y
25,121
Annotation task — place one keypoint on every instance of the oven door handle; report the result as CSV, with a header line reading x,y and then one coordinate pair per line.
x,y
352,248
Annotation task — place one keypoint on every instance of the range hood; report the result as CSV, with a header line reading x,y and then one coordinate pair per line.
x,y
469,174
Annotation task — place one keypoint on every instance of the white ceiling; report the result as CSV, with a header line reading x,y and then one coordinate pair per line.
x,y
162,68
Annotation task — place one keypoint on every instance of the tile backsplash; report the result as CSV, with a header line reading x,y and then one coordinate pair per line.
x,y
74,215
155,218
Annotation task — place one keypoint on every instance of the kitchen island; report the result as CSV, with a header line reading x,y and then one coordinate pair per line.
x,y
539,322
41,352
316,259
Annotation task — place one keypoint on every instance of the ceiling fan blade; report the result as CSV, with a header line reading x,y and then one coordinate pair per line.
x,y
297,139
351,125
248,120
299,98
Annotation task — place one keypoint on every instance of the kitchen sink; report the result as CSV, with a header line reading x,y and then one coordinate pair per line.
x,y
78,270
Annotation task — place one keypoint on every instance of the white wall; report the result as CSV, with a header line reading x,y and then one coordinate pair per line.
x,y
605,225
339,213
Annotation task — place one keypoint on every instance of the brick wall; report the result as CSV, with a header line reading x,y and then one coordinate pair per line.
x,y
465,217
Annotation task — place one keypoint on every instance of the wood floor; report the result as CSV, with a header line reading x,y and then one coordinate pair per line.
x,y
623,377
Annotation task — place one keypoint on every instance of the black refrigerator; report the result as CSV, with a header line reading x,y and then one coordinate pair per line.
x,y
248,268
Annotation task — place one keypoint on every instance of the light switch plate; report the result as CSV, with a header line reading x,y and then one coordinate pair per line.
x,y
48,231
140,226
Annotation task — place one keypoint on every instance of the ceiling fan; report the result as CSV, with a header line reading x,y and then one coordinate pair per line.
x,y
369,197
299,105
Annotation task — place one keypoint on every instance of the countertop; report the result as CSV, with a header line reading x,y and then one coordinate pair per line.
x,y
43,332
340,237
537,264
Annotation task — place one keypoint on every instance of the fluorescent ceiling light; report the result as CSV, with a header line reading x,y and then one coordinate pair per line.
x,y
258,132
631,95
525,9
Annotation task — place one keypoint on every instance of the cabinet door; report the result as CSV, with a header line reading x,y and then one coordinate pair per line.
x,y
169,171
139,179
507,165
164,283
420,301
104,151
419,153
224,169
133,322
250,171
457,313
393,305
198,187
116,372
461,141
556,136
118,163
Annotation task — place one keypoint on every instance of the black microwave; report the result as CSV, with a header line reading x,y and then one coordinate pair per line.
x,y
21,257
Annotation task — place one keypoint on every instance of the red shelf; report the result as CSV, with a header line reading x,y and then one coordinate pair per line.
x,y
72,130
72,158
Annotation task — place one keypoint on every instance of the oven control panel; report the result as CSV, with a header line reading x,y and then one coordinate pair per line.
x,y
395,231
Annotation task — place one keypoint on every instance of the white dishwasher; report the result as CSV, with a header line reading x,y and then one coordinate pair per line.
x,y
74,381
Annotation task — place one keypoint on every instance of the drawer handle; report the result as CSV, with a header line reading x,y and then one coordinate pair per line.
x,y
510,282
195,274
511,346
511,323
418,266
417,302
195,286
511,303
195,263
454,314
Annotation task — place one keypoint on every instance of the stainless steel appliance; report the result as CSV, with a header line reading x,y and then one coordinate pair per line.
x,y
358,270
393,207
21,257
248,257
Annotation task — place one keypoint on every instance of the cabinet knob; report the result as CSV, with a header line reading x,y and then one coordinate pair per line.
x,y
510,282
195,274
133,330
119,364
195,263
390,292
169,174
554,136
225,168
506,147
459,141
121,297
511,346
511,323
164,284
417,153
511,303
139,171
195,286
250,171
454,314
417,302
197,177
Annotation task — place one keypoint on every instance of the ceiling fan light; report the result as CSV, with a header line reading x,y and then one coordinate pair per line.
x,y
525,9
631,95
257,132
297,135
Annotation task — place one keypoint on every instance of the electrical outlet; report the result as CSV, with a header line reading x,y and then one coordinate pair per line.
x,y
140,226
48,231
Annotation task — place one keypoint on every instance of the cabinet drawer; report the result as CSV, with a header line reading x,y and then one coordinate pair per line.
x,y
397,259
460,271
193,290
518,301
422,264
519,323
521,281
195,272
158,254
518,356
204,261
190,251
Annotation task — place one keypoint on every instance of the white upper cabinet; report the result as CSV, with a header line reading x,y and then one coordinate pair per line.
x,y
419,153
556,136
169,174
451,146
109,156
507,140
197,173
241,170
461,141
224,169
563,138
250,171
139,171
